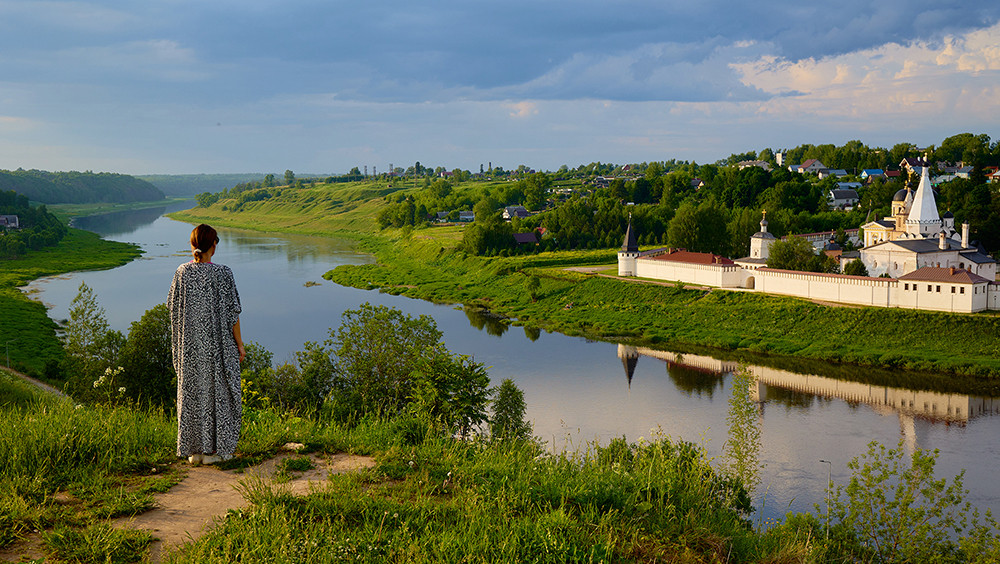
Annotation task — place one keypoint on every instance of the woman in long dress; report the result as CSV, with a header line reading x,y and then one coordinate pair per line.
x,y
207,351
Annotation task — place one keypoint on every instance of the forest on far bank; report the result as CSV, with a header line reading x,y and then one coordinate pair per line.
x,y
78,187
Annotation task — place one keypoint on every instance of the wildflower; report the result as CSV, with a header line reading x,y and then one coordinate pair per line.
x,y
121,390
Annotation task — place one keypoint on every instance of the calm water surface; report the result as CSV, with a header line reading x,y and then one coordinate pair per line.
x,y
577,391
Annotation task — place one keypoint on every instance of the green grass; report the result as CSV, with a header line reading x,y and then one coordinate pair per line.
x,y
32,335
451,501
67,211
66,471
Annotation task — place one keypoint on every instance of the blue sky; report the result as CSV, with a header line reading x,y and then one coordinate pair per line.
x,y
320,86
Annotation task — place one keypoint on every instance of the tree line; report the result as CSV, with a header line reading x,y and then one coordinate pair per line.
x,y
37,227
78,187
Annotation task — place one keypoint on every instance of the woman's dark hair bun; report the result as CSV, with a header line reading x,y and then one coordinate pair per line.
x,y
203,238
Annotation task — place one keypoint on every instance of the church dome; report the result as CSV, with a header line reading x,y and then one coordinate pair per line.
x,y
900,195
947,215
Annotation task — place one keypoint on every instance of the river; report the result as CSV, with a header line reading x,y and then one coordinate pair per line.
x,y
577,391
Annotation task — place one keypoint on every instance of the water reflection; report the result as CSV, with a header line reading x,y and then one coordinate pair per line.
x,y
495,325
121,222
697,374
532,333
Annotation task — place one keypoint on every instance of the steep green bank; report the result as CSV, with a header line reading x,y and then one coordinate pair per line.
x,y
666,315
26,327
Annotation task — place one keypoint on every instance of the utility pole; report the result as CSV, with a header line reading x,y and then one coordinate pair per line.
x,y
829,492
8,351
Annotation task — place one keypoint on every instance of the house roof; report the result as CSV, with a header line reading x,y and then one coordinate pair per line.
x,y
524,238
917,245
845,194
690,257
885,224
950,275
977,257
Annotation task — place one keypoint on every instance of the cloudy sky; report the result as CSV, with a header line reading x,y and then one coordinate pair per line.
x,y
320,86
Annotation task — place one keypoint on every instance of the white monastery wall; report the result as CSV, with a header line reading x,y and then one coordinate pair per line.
x,y
827,287
720,276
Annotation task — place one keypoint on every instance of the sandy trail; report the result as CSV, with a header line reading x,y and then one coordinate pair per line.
x,y
190,509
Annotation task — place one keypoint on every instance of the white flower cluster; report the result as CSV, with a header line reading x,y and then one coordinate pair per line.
x,y
110,374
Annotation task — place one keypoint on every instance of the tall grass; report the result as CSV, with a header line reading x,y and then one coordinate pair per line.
x,y
450,501
94,454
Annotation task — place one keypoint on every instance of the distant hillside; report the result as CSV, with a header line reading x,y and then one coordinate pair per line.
x,y
78,187
180,185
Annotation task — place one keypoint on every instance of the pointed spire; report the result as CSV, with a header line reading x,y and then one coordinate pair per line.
x,y
630,245
923,214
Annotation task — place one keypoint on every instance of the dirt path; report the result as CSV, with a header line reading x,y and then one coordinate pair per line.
x,y
190,509
37,383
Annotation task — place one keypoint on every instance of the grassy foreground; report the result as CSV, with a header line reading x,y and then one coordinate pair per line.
x,y
67,471
26,326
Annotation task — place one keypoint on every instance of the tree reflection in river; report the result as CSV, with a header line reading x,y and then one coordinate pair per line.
x,y
484,319
742,447
694,381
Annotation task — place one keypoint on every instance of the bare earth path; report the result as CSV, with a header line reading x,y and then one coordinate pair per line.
x,y
189,509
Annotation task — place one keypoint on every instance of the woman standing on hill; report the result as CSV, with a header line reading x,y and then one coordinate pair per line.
x,y
207,349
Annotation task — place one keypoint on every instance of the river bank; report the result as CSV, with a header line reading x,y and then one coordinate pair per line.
x,y
30,336
425,264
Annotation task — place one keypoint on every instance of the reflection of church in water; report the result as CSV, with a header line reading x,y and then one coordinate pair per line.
x,y
772,383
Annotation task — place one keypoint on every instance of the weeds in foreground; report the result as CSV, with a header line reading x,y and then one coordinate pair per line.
x,y
64,465
435,499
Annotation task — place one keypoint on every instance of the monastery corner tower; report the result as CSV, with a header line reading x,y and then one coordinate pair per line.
x,y
629,252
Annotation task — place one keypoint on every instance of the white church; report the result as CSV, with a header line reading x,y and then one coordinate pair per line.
x,y
915,258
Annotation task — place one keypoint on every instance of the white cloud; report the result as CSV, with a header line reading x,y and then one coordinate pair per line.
x,y
522,110
951,79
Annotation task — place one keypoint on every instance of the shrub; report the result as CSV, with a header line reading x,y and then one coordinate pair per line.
x,y
508,421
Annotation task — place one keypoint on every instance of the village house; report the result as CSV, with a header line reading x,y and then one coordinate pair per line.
x,y
844,196
759,164
510,212
8,222
811,166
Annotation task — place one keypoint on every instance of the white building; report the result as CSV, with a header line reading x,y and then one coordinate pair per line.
x,y
915,236
926,270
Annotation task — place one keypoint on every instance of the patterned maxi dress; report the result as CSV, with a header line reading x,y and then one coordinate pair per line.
x,y
204,305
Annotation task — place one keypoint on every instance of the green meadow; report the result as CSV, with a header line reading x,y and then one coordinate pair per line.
x,y
26,326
